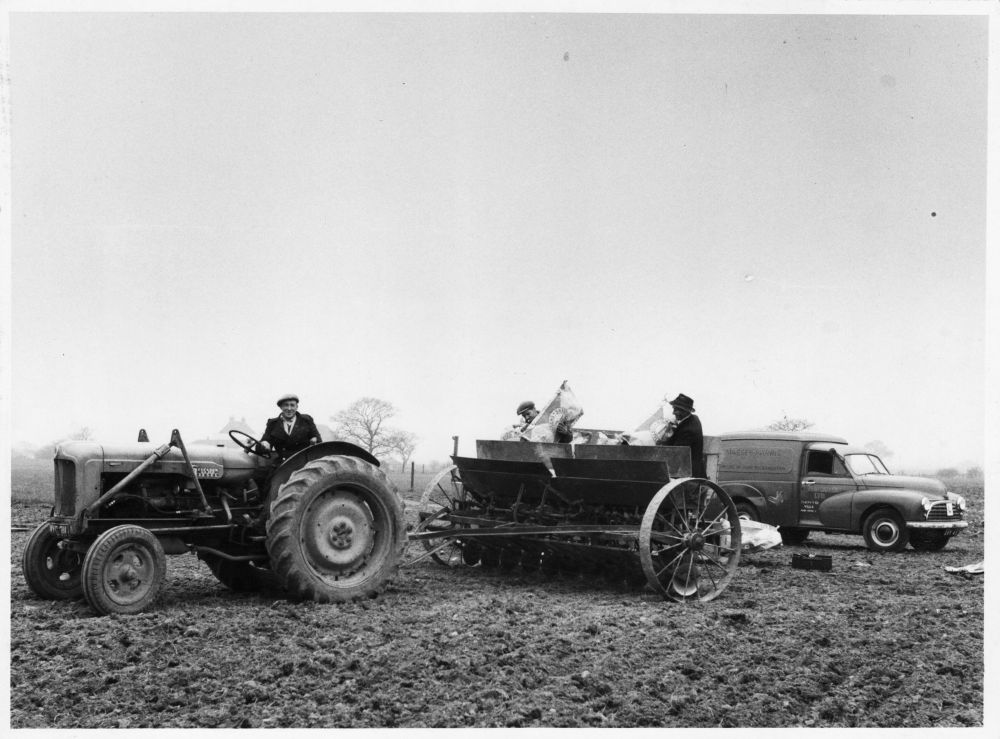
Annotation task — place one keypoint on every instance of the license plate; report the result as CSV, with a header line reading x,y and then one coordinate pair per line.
x,y
950,508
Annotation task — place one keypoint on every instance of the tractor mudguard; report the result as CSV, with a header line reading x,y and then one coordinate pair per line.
x,y
304,456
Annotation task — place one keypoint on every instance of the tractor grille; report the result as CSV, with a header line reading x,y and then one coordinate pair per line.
x,y
65,484
939,512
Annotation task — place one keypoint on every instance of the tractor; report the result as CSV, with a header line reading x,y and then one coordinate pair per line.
x,y
325,524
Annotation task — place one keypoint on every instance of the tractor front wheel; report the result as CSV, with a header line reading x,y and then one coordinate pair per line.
x,y
124,570
336,531
51,572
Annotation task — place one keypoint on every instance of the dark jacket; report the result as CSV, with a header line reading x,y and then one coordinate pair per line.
x,y
688,433
285,445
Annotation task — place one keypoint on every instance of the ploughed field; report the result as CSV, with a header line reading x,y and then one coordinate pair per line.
x,y
881,640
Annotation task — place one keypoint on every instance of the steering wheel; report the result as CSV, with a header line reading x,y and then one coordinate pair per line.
x,y
236,435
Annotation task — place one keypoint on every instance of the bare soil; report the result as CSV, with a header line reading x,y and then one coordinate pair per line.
x,y
880,641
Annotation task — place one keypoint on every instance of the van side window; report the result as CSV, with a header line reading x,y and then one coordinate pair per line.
x,y
819,463
824,463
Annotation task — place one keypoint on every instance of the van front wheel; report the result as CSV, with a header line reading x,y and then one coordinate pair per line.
x,y
885,531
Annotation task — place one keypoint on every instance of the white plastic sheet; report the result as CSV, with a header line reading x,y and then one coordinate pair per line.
x,y
759,536
974,569
756,536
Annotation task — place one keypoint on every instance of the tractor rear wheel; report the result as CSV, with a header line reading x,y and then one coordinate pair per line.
x,y
336,530
51,573
124,570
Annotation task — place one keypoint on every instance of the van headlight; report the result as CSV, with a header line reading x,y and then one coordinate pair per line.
x,y
956,499
925,503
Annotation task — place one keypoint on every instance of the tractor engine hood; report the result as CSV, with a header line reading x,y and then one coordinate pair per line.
x,y
204,453
209,462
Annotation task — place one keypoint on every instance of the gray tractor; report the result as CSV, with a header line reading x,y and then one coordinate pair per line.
x,y
326,524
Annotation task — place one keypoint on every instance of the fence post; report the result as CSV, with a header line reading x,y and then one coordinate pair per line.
x,y
413,468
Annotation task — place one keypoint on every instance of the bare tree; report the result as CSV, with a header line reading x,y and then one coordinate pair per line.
x,y
403,443
363,423
84,433
789,424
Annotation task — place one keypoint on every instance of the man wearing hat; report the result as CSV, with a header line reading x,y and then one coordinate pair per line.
x,y
685,430
291,431
528,412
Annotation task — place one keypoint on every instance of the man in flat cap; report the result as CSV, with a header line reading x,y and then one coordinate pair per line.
x,y
527,412
685,430
291,431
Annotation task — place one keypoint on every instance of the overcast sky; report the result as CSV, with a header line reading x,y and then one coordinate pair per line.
x,y
773,214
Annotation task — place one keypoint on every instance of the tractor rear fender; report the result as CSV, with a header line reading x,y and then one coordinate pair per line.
x,y
301,458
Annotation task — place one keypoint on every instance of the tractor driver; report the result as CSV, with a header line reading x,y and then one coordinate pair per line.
x,y
291,431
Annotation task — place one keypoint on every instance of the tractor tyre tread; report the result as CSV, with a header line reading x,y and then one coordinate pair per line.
x,y
288,559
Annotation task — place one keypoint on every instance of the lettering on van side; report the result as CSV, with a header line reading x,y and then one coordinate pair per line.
x,y
756,459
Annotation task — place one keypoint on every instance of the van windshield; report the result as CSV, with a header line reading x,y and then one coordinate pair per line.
x,y
865,464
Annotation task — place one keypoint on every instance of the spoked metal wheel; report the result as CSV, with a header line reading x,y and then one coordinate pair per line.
x,y
690,540
443,494
442,549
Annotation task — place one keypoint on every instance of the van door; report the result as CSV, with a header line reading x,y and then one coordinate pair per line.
x,y
823,476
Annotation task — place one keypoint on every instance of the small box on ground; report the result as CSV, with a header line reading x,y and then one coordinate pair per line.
x,y
820,562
